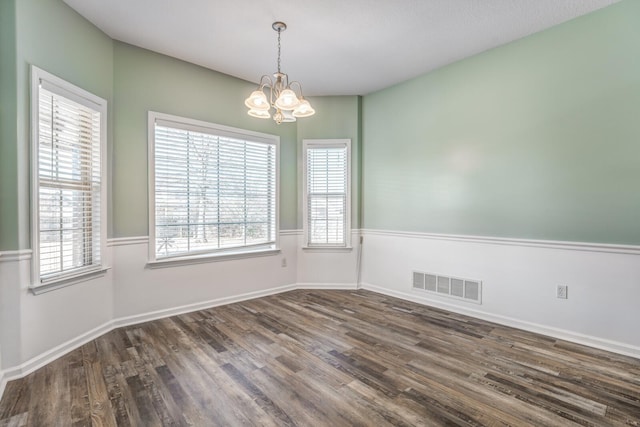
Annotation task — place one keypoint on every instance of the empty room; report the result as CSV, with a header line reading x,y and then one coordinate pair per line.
x,y
294,213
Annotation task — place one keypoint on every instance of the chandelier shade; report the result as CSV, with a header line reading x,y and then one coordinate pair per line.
x,y
303,109
259,114
287,100
283,99
257,101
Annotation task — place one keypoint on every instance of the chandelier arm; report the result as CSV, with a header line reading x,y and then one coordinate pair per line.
x,y
271,100
262,84
267,82
299,87
285,81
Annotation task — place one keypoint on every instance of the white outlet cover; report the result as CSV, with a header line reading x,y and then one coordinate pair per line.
x,y
561,291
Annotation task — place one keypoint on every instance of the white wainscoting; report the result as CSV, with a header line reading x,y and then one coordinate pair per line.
x,y
332,266
519,282
13,266
3,381
139,290
33,327
14,275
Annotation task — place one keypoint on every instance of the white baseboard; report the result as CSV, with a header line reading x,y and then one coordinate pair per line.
x,y
3,383
189,308
603,344
336,286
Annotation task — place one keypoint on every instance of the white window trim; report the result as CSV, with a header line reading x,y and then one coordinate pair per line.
x,y
207,257
213,255
81,96
325,143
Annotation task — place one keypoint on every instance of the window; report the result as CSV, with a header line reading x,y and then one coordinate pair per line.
x,y
213,189
69,193
327,200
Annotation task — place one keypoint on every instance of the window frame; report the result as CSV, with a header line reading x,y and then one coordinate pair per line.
x,y
207,255
326,143
64,89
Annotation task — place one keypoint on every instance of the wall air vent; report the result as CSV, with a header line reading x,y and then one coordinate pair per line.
x,y
453,287
418,280
457,287
430,282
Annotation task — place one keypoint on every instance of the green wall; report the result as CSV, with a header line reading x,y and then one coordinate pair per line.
x,y
145,81
537,139
337,117
52,36
8,153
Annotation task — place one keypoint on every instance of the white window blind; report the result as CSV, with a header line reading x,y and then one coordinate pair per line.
x,y
213,192
69,183
327,193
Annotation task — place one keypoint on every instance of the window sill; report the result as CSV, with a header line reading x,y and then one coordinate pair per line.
x,y
200,259
69,281
327,248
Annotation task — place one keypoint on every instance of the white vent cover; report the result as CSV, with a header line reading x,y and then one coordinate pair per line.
x,y
430,282
472,290
457,288
443,285
454,287
418,280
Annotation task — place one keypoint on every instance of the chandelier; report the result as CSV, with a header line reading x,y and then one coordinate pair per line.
x,y
282,97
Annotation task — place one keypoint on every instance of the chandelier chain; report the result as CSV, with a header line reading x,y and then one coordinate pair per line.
x,y
279,31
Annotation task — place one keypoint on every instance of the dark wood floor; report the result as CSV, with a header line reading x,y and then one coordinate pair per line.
x,y
327,358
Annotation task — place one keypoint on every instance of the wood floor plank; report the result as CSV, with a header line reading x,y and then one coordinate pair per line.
x,y
15,421
16,398
221,400
286,389
327,358
78,391
101,411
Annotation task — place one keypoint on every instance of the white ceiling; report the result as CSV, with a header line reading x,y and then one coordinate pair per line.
x,y
333,47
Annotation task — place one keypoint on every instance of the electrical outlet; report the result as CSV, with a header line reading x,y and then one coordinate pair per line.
x,y
284,262
561,291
